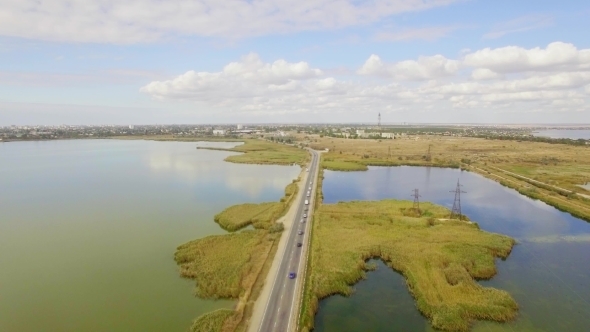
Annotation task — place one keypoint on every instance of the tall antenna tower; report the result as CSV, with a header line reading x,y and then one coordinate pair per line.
x,y
456,212
379,122
417,196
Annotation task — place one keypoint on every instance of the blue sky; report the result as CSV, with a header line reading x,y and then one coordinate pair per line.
x,y
147,61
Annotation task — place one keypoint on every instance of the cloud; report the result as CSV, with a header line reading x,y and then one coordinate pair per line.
x,y
245,78
133,21
521,24
557,56
429,33
484,74
429,84
426,67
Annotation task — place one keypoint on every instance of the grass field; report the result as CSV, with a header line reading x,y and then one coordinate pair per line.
x,y
559,169
439,259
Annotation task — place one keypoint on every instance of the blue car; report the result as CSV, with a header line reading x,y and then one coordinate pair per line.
x,y
292,275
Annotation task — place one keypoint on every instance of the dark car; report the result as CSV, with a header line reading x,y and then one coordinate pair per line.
x,y
299,244
300,232
292,275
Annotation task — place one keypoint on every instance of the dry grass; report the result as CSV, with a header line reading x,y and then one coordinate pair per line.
x,y
439,259
557,164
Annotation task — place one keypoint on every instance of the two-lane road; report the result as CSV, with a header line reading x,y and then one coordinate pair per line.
x,y
281,304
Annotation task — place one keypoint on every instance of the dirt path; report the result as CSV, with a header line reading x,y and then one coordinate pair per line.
x,y
483,172
535,181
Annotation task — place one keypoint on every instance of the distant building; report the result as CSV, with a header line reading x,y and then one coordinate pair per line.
x,y
131,126
218,132
388,135
239,127
360,132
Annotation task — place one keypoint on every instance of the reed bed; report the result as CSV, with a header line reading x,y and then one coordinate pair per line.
x,y
260,216
212,321
439,258
220,264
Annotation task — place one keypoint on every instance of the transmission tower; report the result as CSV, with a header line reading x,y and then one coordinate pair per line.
x,y
456,212
379,123
417,196
428,155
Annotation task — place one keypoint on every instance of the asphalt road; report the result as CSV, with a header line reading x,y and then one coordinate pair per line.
x,y
281,304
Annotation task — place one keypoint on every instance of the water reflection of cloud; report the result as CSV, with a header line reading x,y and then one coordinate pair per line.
x,y
201,168
254,185
580,238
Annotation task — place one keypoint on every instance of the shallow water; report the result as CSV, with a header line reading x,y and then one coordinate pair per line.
x,y
571,134
88,230
547,272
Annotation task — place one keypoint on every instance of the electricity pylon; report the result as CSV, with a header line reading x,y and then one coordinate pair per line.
x,y
456,211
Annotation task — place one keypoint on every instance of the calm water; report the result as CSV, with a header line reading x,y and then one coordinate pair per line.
x,y
572,134
547,273
88,230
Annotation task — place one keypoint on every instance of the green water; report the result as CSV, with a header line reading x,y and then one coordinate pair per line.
x,y
88,230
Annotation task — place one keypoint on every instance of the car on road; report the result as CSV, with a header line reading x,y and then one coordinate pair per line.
x,y
302,220
299,244
292,275
300,232
305,215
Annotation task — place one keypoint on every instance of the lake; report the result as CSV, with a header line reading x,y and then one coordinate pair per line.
x,y
564,133
547,272
88,230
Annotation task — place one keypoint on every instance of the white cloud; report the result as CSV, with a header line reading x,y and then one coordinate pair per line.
x,y
429,33
484,74
249,77
556,56
111,21
426,67
429,84
521,24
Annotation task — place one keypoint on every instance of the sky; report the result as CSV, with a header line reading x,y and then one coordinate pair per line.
x,y
294,61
